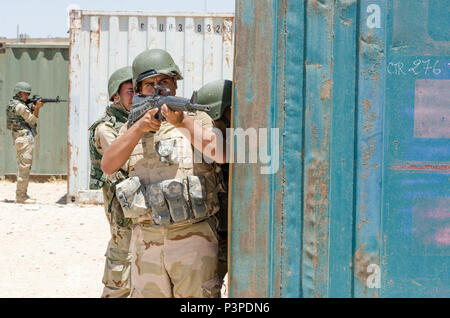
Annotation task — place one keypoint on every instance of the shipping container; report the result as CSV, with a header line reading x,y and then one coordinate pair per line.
x,y
101,42
360,204
45,65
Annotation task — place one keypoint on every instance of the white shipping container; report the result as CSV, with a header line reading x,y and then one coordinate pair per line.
x,y
101,42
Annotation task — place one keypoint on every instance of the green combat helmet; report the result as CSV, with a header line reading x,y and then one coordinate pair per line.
x,y
154,62
117,78
14,121
217,95
22,87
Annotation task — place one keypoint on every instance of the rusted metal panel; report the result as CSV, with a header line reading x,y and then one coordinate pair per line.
x,y
342,159
101,42
252,250
292,92
317,125
45,66
359,91
369,144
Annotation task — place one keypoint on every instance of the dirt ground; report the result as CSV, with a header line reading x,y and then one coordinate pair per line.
x,y
50,249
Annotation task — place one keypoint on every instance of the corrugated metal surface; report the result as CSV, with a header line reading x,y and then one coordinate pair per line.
x,y
46,67
360,205
101,42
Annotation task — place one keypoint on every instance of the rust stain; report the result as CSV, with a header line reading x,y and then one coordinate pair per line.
x,y
182,237
423,167
368,152
362,222
318,5
316,65
316,219
95,39
396,145
148,244
375,77
361,261
75,171
363,209
366,103
326,90
227,36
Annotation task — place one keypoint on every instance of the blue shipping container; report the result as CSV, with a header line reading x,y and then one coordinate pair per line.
x,y
360,203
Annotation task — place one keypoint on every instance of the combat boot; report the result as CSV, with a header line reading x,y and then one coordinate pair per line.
x,y
25,200
28,197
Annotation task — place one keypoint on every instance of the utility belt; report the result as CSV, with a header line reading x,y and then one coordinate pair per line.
x,y
169,202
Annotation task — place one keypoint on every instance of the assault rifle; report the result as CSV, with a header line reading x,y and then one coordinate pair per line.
x,y
35,98
142,104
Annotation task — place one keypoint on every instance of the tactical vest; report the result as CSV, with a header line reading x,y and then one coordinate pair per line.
x,y
14,121
171,185
115,119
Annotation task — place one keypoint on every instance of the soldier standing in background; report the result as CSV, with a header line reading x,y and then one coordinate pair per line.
x,y
217,95
102,133
174,233
22,121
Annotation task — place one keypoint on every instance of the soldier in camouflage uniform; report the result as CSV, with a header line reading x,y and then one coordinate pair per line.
x,y
102,133
217,95
170,198
22,121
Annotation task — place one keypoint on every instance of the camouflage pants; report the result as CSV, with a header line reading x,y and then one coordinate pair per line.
x,y
175,262
24,144
116,276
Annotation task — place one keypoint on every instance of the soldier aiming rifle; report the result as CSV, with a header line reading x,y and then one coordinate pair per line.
x,y
22,115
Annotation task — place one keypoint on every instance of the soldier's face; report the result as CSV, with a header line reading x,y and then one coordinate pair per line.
x,y
148,84
24,95
126,94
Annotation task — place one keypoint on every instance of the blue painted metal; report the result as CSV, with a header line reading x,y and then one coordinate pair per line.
x,y
254,267
369,143
342,160
359,207
416,183
293,150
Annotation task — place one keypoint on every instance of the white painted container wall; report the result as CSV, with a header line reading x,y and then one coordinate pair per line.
x,y
101,42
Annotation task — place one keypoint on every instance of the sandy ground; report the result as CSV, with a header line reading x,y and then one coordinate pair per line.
x,y
50,249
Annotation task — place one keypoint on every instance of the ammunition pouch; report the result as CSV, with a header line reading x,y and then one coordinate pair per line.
x,y
197,193
159,207
131,197
173,201
167,151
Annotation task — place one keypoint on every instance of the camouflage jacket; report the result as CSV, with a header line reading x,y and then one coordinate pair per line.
x,y
114,118
15,121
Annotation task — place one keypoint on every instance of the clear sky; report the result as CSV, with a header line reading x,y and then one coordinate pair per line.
x,y
48,18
